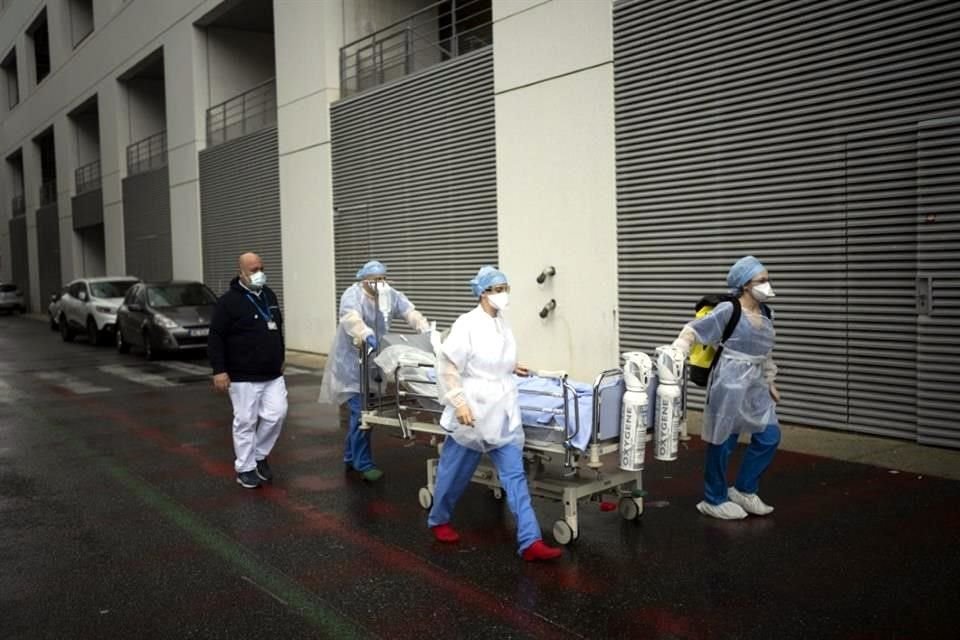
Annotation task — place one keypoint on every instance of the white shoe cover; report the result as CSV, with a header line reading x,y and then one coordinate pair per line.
x,y
725,511
750,502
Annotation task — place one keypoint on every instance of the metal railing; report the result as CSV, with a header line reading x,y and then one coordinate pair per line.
x,y
437,33
147,154
88,177
18,205
250,111
48,192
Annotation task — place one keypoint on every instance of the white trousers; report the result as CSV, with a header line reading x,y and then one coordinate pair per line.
x,y
259,409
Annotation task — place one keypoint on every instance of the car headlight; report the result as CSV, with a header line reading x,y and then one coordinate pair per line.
x,y
164,321
105,310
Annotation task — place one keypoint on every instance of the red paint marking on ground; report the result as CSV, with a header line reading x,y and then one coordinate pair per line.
x,y
385,554
210,424
404,561
565,577
377,507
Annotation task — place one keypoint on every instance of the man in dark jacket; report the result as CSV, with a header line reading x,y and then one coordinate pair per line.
x,y
246,351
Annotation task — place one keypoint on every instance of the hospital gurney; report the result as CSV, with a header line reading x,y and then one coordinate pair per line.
x,y
571,439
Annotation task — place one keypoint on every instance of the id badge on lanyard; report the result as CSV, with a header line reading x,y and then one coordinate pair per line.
x,y
271,324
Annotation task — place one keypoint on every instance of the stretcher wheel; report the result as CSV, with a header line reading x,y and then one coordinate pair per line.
x,y
630,508
425,497
563,533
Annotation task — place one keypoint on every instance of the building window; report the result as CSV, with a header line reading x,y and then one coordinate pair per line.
x,y
81,20
39,34
10,79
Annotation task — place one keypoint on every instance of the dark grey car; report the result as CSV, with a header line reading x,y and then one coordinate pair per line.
x,y
164,317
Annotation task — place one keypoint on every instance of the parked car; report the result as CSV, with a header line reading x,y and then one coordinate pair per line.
x,y
164,317
89,305
11,298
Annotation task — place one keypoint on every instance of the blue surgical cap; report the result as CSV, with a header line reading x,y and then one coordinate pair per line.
x,y
743,271
487,277
372,269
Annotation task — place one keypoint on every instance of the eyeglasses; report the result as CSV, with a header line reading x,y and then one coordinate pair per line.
x,y
500,288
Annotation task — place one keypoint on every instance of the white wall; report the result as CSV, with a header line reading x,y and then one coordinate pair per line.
x,y
237,61
308,40
556,178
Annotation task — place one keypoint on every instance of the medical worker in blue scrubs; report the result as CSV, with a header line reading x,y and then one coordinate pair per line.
x,y
476,367
741,394
367,308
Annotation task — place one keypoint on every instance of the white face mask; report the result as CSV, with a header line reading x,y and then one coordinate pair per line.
x,y
500,301
258,279
762,292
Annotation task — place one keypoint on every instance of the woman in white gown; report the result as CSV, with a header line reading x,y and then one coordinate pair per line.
x,y
476,365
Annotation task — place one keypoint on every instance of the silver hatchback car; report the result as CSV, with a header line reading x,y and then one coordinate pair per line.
x,y
11,298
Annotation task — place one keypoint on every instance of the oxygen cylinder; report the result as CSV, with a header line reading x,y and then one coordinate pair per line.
x,y
669,403
385,303
637,368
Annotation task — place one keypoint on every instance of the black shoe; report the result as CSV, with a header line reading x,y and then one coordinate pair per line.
x,y
248,480
263,471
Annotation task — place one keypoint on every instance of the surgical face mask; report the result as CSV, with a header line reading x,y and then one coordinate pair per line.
x,y
762,292
499,301
257,280
376,287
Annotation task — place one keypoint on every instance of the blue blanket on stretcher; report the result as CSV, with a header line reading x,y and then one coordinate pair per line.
x,y
541,405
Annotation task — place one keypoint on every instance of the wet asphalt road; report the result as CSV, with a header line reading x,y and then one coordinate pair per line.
x,y
120,518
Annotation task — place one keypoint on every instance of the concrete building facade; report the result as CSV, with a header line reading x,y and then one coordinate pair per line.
x,y
537,134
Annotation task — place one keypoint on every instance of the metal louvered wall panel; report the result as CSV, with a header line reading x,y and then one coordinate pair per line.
x,y
48,252
785,130
146,225
414,183
87,209
19,258
240,204
938,202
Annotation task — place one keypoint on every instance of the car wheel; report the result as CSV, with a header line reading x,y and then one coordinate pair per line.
x,y
148,349
93,334
122,345
66,333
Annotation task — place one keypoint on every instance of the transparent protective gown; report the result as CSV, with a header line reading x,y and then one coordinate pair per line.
x,y
476,366
738,392
360,316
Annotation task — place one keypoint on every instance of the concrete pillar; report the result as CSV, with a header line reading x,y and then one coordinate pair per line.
x,y
114,138
184,59
553,77
308,37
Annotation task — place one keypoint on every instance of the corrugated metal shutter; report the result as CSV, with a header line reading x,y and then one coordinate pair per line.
x,y
414,183
146,225
938,201
19,256
240,204
87,209
48,252
780,129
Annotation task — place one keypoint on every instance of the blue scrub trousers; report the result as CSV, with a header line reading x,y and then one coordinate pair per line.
x,y
457,464
758,457
356,452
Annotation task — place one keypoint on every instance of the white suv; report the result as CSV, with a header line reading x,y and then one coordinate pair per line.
x,y
89,305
